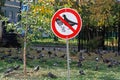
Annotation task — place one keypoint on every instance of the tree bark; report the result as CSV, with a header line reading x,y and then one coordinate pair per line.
x,y
103,38
24,58
119,38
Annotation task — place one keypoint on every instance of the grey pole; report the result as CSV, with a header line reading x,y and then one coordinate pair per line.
x,y
68,59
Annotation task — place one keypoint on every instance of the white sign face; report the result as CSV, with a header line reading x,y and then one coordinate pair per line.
x,y
64,29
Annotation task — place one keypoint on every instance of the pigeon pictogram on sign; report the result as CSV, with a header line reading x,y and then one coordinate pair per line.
x,y
66,23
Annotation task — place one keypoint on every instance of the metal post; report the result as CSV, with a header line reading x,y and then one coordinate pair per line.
x,y
79,42
68,59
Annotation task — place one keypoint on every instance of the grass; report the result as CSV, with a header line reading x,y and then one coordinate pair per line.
x,y
47,41
61,73
103,73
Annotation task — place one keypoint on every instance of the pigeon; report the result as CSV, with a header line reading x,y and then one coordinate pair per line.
x,y
51,75
17,67
36,68
30,57
49,53
97,59
69,21
79,64
38,51
55,55
4,57
82,58
110,65
82,72
55,64
43,49
9,70
41,55
9,60
106,60
63,56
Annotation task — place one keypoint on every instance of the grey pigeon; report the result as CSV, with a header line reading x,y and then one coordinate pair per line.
x,y
82,72
10,69
17,67
51,75
36,68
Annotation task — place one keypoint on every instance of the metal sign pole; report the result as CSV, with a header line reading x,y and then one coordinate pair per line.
x,y
68,59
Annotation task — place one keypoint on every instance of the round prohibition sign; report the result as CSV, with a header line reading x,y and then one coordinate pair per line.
x,y
66,23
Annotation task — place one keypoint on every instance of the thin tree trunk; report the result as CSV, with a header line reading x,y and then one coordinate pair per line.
x,y
24,58
103,38
119,38
25,46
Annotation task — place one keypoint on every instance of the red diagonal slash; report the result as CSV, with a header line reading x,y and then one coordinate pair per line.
x,y
66,23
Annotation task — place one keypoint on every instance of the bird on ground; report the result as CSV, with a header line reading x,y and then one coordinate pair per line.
x,y
97,59
62,56
9,60
17,67
88,53
72,23
36,68
55,64
55,55
51,75
4,57
110,65
82,72
79,64
9,70
106,60
41,55
38,51
81,58
49,53
43,48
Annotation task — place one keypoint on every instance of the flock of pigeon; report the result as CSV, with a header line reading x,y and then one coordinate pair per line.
x,y
110,62
9,58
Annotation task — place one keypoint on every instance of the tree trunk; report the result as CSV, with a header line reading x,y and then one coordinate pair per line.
x,y
24,58
103,38
25,48
119,38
